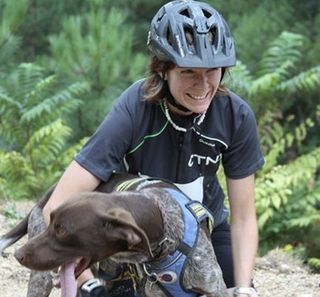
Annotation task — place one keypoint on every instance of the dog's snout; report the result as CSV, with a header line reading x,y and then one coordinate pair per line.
x,y
20,255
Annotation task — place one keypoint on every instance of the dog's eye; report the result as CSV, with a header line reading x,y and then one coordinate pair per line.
x,y
107,225
59,229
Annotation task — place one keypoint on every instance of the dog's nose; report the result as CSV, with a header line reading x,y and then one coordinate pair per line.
x,y
20,256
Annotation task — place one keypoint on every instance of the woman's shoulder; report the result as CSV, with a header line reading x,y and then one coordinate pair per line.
x,y
132,102
133,95
232,102
133,92
229,97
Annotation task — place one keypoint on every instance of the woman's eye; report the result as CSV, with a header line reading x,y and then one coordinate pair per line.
x,y
212,70
186,73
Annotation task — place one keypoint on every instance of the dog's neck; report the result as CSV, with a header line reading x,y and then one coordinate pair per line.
x,y
171,234
172,231
163,234
146,215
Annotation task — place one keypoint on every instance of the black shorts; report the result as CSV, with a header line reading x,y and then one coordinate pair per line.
x,y
221,241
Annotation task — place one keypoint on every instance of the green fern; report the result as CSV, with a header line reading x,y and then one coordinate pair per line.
x,y
240,79
279,81
29,101
46,143
11,16
283,53
17,179
303,82
283,93
55,105
34,136
277,187
276,141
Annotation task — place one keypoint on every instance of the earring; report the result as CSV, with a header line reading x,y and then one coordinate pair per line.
x,y
163,75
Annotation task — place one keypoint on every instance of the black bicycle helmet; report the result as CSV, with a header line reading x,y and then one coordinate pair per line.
x,y
191,34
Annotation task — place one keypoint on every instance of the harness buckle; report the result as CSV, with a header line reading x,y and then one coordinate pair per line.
x,y
201,213
152,276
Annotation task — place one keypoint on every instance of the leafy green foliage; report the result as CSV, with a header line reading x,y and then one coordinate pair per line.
x,y
11,15
13,213
314,263
288,187
257,26
97,47
34,147
278,82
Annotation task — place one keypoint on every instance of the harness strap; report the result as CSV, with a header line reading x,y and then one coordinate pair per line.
x,y
127,184
169,271
201,213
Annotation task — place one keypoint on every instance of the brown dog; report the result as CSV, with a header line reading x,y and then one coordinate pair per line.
x,y
140,227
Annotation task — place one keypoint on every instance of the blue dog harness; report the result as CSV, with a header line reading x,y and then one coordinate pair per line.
x,y
168,272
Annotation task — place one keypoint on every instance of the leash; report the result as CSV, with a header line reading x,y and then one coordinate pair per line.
x,y
125,283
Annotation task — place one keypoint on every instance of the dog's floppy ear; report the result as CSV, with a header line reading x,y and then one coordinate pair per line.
x,y
127,229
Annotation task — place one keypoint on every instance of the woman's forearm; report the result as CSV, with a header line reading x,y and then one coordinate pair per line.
x,y
244,247
75,179
244,229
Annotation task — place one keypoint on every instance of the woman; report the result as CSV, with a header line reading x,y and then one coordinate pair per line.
x,y
180,123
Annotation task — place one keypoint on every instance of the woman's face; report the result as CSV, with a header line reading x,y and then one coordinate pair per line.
x,y
194,88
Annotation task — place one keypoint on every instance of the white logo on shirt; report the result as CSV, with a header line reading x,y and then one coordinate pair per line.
x,y
206,160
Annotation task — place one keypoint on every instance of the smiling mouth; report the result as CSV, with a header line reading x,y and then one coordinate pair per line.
x,y
198,97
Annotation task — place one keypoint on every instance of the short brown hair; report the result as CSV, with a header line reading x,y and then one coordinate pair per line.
x,y
155,86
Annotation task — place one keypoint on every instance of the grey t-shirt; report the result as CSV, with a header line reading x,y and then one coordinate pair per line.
x,y
137,137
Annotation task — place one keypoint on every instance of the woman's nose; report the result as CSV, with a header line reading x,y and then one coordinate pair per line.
x,y
201,79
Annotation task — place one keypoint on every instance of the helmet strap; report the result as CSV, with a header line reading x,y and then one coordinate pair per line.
x,y
173,102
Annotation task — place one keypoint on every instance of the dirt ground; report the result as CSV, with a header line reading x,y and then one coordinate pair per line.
x,y
276,275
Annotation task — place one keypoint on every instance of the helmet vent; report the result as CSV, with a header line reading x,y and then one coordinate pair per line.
x,y
224,47
169,37
212,36
185,12
188,33
206,13
161,14
189,36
